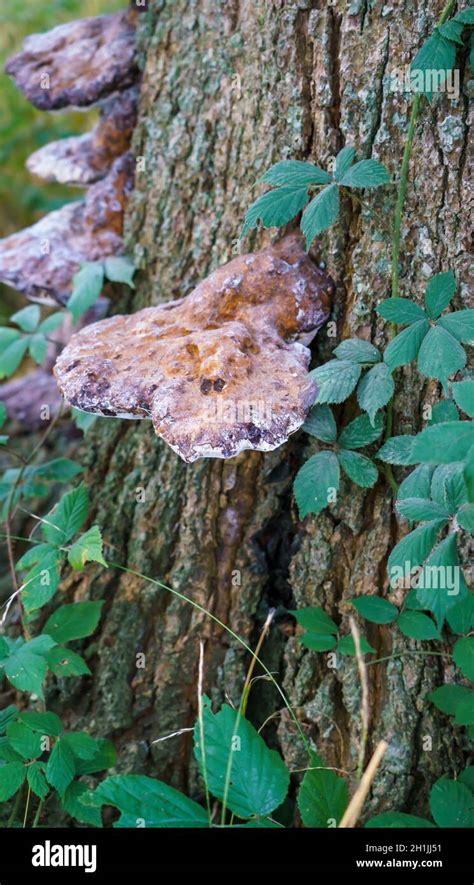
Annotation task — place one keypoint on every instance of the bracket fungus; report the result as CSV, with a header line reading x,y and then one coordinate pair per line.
x,y
78,63
219,371
41,260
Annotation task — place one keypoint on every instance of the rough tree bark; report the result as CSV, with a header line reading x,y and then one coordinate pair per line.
x,y
229,87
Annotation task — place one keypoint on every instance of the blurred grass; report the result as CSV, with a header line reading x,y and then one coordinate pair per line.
x,y
23,129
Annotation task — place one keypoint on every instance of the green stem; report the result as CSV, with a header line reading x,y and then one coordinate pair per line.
x,y
405,654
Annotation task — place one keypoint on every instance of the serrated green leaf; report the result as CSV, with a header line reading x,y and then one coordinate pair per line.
x,y
452,804
398,450
465,711
27,318
41,583
86,289
346,646
398,820
416,625
12,776
26,742
452,30
105,757
441,582
421,509
360,432
72,804
459,324
463,654
120,269
81,744
358,468
259,778
468,474
321,213
357,350
413,549
60,768
323,796
67,517
64,662
448,487
45,723
87,548
141,798
443,443
406,345
320,423
401,311
296,174
344,161
366,173
447,697
417,484
461,616
440,355
318,641
466,16
375,390
463,393
9,714
26,668
275,208
437,54
439,293
315,619
74,621
443,411
375,609
316,483
465,517
37,780
335,380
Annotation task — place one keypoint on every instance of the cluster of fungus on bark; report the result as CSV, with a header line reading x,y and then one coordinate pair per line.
x,y
77,65
220,371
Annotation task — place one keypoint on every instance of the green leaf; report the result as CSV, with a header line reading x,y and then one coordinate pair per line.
x,y
51,323
444,411
465,517
26,667
316,483
447,486
45,723
141,798
447,697
321,213
439,293
71,802
42,581
468,474
120,269
398,820
3,414
346,646
83,420
322,796
58,470
375,609
405,346
366,173
357,350
467,777
461,616
60,768
360,432
416,625
443,443
86,289
466,16
7,753
336,380
81,744
417,484
460,325
452,30
12,356
12,775
87,548
440,355
26,742
441,580
318,641
74,621
27,318
67,516
465,711
398,450
38,348
315,619
463,393
358,468
259,778
375,390
436,54
463,654
34,555
295,173
320,423
37,780
413,549
275,208
105,757
452,804
401,311
64,662
344,161
9,714
421,509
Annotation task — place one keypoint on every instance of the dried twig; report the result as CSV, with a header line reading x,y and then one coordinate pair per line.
x,y
353,810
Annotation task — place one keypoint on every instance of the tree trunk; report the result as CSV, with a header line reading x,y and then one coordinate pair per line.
x,y
229,87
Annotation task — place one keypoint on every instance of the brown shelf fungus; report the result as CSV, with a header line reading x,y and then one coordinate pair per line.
x,y
41,260
219,371
78,63
83,159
